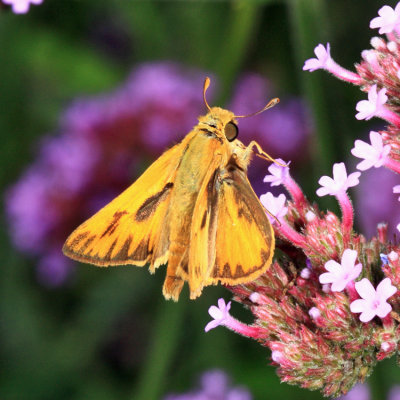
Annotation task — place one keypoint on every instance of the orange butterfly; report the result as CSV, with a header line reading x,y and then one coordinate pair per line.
x,y
193,209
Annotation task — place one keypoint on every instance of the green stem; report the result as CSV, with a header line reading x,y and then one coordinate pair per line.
x,y
243,22
307,19
165,340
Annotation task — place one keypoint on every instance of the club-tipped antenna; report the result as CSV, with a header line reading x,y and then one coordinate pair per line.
x,y
270,104
205,87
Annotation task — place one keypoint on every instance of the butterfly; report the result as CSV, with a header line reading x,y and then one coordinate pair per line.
x,y
193,209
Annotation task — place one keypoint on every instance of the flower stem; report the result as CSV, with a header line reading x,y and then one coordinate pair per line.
x,y
347,216
389,116
392,164
164,341
290,234
295,191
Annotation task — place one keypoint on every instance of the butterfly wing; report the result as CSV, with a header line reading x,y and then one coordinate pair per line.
x,y
244,239
127,230
203,231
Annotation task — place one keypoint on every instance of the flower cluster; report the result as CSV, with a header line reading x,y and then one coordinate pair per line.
x,y
328,307
214,385
105,141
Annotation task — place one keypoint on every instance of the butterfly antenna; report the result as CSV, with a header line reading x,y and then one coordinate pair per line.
x,y
273,216
205,87
271,103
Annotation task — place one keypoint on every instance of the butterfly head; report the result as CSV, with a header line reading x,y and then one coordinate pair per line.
x,y
224,122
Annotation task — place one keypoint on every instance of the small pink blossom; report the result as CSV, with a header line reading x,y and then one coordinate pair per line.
x,y
388,19
305,273
340,275
374,154
220,314
374,105
323,60
340,182
373,302
396,189
314,313
274,205
276,356
279,174
21,6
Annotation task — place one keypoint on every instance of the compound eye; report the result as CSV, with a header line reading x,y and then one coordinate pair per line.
x,y
231,131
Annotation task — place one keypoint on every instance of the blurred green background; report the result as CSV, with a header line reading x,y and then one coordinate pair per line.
x,y
110,334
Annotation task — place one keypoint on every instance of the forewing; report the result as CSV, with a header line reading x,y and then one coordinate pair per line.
x,y
244,238
127,230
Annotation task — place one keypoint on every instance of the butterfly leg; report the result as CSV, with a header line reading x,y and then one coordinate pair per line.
x,y
261,153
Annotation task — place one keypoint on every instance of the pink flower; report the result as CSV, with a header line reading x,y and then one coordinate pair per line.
x,y
220,314
374,154
388,19
274,205
279,174
323,60
340,182
314,313
276,356
396,189
373,302
374,105
340,275
21,6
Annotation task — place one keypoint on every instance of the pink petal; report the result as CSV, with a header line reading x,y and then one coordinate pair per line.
x,y
326,181
367,315
381,97
321,52
352,179
323,191
326,277
362,149
385,289
333,266
365,289
338,285
396,189
312,65
365,164
339,172
357,306
365,110
349,257
211,325
376,139
372,94
383,310
356,271
215,312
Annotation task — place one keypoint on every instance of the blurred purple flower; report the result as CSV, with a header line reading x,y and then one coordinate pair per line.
x,y
359,392
394,393
283,131
214,385
374,206
103,143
